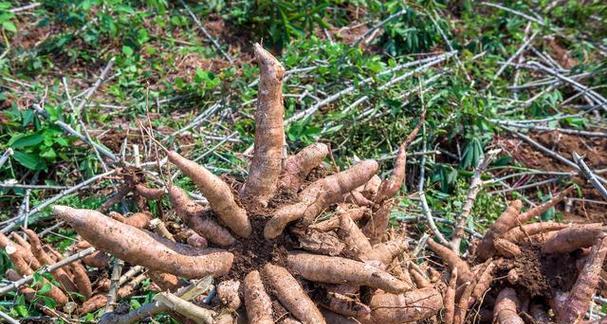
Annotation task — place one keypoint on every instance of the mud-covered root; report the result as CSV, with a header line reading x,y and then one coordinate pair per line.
x,y
483,282
193,215
507,220
387,251
419,277
505,309
389,187
327,243
319,195
346,305
22,250
100,300
81,279
166,281
337,270
59,274
414,305
452,260
572,238
356,242
291,295
218,193
539,210
197,241
579,298
449,298
23,269
139,220
98,260
523,232
149,193
297,167
461,307
378,223
227,292
266,164
143,248
332,223
29,293
257,302
344,300
506,248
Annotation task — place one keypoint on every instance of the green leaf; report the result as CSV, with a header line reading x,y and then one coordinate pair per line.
x,y
127,50
21,140
45,288
22,310
48,153
29,161
9,26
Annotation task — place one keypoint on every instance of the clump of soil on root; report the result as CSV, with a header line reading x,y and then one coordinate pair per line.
x,y
541,274
255,251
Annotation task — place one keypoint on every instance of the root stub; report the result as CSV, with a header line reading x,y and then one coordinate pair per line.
x,y
140,247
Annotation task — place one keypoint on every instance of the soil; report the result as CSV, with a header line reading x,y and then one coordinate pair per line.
x,y
543,273
595,155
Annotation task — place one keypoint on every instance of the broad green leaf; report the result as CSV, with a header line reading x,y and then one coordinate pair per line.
x,y
29,161
9,26
21,140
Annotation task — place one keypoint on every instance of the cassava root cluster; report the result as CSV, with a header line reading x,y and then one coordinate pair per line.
x,y
345,268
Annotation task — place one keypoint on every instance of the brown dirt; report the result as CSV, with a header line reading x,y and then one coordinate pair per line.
x,y
594,151
541,274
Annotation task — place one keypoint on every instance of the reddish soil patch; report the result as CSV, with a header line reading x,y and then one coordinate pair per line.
x,y
594,151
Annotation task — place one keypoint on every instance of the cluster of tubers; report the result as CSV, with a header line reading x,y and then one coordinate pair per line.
x,y
347,268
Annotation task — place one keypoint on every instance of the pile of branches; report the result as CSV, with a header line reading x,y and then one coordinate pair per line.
x,y
277,257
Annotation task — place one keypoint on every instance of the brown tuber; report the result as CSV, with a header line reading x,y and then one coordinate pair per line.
x,y
505,311
269,131
338,270
217,192
414,305
139,247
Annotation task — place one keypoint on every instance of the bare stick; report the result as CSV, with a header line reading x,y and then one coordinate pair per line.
x,y
55,198
68,129
26,7
512,11
185,308
190,292
475,187
5,156
516,54
111,295
89,93
206,33
589,175
378,26
431,61
422,197
10,185
550,153
27,279
8,319
549,129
